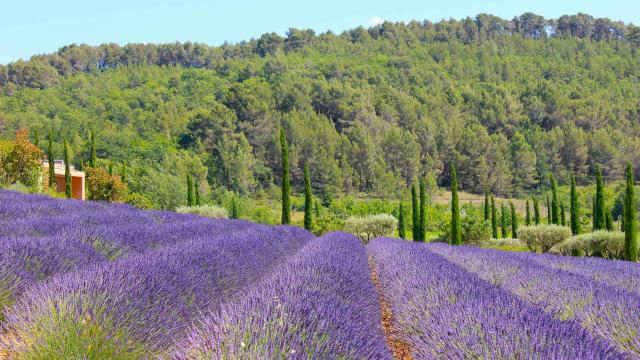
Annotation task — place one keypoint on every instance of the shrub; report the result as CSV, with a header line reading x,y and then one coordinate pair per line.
x,y
608,244
542,238
372,226
139,200
21,161
103,186
210,211
505,242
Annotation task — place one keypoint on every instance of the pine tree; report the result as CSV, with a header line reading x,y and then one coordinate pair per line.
x,y
527,218
487,206
415,218
52,171
123,172
494,218
423,211
67,171
503,220
190,198
514,222
308,199
536,211
549,216
93,159
401,224
563,219
456,231
286,192
600,215
555,204
576,226
630,231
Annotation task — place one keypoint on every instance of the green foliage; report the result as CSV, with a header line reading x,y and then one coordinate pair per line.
x,y
51,160
210,211
456,231
563,218
20,162
416,218
536,211
67,171
494,219
630,230
599,210
422,228
370,227
286,192
541,238
104,187
576,224
234,213
504,225
555,205
514,221
138,200
191,201
308,200
527,217
607,244
401,223
487,206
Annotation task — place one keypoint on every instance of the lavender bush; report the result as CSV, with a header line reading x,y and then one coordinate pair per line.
x,y
446,312
319,305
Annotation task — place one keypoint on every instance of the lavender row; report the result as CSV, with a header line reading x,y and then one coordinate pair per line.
x,y
320,305
141,304
445,312
605,311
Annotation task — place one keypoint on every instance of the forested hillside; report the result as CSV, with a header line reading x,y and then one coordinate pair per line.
x,y
369,109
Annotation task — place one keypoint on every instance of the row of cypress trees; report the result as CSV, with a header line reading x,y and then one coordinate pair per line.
x,y
507,216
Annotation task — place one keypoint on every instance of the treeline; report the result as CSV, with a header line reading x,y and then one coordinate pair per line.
x,y
370,110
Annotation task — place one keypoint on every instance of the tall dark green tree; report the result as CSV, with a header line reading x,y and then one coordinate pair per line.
x,y
514,221
549,212
415,218
609,220
630,231
234,213
527,217
423,211
93,159
190,197
494,219
555,204
503,220
401,222
286,185
67,172
123,172
576,226
536,211
487,206
308,199
110,171
51,160
599,217
456,230
36,137
563,219
196,193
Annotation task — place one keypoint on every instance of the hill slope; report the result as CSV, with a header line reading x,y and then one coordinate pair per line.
x,y
369,109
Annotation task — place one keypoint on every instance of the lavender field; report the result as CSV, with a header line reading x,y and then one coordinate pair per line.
x,y
88,280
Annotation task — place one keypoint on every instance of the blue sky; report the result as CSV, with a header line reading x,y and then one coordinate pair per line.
x,y
42,26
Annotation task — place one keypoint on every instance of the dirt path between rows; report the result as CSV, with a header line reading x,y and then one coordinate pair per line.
x,y
400,348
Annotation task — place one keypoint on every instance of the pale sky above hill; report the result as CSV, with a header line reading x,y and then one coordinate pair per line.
x,y
42,26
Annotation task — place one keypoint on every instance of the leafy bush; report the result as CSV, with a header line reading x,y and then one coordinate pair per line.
x,y
505,242
608,244
139,200
20,161
542,238
105,187
210,211
372,226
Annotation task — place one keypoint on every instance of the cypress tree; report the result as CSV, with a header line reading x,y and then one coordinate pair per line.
x,y
494,218
415,218
316,209
36,137
51,160
536,211
67,171
576,226
456,231
549,216
110,171
563,219
234,213
487,206
527,218
123,172
81,166
423,211
593,212
514,222
630,232
555,204
93,159
308,199
286,192
609,221
503,220
599,216
190,198
196,193
401,224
